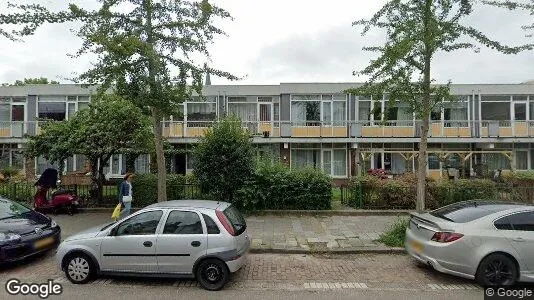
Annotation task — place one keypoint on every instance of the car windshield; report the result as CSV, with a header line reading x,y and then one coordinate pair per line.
x,y
10,209
236,219
464,212
107,226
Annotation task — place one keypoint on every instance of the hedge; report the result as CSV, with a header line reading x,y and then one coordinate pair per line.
x,y
145,188
372,192
274,186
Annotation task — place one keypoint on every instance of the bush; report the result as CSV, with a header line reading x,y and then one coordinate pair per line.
x,y
9,172
446,192
396,233
275,186
145,187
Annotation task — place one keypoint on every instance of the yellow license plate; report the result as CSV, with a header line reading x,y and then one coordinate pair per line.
x,y
417,247
44,242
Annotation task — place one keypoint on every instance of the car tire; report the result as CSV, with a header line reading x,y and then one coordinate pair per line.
x,y
212,274
79,268
497,269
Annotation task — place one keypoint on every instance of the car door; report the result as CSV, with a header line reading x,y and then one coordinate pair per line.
x,y
181,242
131,245
520,234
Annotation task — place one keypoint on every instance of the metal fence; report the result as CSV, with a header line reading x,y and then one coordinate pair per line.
x,y
24,193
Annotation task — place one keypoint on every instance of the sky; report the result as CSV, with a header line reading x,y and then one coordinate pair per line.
x,y
274,41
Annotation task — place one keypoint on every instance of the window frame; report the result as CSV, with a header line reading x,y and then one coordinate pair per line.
x,y
115,228
202,223
508,216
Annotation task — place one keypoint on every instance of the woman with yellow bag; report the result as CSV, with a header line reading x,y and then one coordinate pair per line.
x,y
125,195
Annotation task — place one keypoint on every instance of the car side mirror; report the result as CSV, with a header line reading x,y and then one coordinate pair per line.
x,y
113,231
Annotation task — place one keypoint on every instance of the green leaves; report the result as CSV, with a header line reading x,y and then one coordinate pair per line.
x,y
223,160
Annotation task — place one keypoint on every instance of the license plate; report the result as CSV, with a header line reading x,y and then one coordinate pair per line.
x,y
44,243
417,247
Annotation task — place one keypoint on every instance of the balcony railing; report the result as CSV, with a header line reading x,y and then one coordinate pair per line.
x,y
327,129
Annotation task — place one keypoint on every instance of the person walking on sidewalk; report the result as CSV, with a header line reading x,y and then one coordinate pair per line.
x,y
125,195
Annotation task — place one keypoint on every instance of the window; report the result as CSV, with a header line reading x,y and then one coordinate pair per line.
x,y
211,225
522,221
265,99
463,212
302,158
306,113
5,113
499,111
338,112
52,110
496,161
71,108
17,113
245,111
183,222
236,219
454,112
433,162
520,111
364,110
81,163
237,99
83,105
503,224
521,160
197,112
141,224
339,163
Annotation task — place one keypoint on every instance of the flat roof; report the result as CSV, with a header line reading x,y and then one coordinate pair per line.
x,y
188,203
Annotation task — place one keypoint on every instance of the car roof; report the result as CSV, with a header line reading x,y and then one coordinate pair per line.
x,y
208,204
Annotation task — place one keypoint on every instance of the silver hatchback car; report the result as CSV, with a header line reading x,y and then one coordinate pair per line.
x,y
206,240
492,242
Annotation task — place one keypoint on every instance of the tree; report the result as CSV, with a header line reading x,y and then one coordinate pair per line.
x,y
145,52
415,32
111,125
41,80
224,159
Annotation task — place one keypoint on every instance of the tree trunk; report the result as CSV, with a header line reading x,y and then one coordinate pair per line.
x,y
156,114
160,156
100,182
423,155
94,178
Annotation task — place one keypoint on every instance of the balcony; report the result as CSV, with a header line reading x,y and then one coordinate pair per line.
x,y
331,129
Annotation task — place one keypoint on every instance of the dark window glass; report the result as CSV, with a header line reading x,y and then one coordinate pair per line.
x,y
468,211
236,219
522,221
183,222
211,225
503,224
142,224
52,110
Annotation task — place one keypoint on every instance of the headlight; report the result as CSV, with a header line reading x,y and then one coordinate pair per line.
x,y
9,236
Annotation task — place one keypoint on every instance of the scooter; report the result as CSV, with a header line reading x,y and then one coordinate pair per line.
x,y
60,199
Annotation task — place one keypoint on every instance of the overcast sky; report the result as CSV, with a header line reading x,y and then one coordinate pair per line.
x,y
289,41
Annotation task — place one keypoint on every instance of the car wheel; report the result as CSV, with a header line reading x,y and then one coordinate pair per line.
x,y
212,274
79,268
497,269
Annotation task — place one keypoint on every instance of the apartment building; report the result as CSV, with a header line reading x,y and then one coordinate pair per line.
x,y
489,127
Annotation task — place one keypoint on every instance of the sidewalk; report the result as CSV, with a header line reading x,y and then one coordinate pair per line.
x,y
296,234
284,233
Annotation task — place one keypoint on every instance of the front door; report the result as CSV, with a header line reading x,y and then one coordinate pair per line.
x,y
133,246
182,241
522,238
327,161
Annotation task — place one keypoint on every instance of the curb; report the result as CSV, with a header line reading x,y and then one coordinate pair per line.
x,y
366,250
361,212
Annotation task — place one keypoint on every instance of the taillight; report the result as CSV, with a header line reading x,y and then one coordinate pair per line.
x,y
224,221
446,237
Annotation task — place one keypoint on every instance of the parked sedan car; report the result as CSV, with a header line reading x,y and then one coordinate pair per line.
x,y
206,240
492,242
25,232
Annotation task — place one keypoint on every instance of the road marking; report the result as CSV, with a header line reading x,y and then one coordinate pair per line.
x,y
452,286
335,285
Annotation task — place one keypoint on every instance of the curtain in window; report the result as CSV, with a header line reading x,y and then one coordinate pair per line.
x,y
142,164
339,113
5,114
404,116
398,164
245,111
496,161
495,111
521,160
364,111
340,163
305,158
298,113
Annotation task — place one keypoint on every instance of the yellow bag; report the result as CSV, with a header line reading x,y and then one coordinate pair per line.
x,y
116,212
